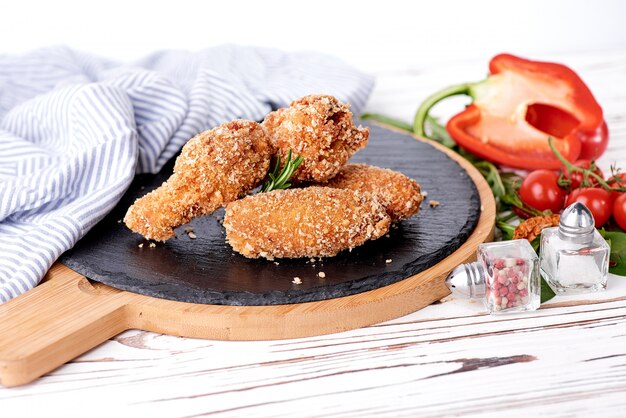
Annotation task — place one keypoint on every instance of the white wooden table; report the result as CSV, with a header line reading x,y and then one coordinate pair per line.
x,y
567,359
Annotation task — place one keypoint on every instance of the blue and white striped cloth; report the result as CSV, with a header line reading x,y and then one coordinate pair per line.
x,y
75,129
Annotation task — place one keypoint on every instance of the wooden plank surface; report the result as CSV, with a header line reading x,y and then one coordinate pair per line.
x,y
567,359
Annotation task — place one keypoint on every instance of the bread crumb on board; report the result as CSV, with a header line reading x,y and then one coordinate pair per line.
x,y
388,261
321,274
152,245
140,245
433,203
296,280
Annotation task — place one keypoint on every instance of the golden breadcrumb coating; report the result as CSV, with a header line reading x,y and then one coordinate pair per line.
x,y
215,167
320,130
308,222
400,195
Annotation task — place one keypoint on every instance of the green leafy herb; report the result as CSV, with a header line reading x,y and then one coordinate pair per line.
x,y
546,291
437,132
507,230
434,130
279,179
617,241
396,123
491,174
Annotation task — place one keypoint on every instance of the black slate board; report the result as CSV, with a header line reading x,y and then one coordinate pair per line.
x,y
206,270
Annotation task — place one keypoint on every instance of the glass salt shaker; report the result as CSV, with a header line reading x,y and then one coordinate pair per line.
x,y
506,277
574,256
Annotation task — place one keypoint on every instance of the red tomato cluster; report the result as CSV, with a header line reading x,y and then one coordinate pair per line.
x,y
541,190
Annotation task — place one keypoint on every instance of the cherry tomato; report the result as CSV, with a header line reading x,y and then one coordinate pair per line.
x,y
619,211
576,177
541,191
597,200
614,184
593,142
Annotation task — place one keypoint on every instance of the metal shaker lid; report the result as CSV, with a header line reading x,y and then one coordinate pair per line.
x,y
576,220
467,281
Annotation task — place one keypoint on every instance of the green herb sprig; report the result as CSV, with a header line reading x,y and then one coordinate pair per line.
x,y
279,179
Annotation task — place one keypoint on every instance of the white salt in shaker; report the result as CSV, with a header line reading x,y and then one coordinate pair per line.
x,y
506,277
574,256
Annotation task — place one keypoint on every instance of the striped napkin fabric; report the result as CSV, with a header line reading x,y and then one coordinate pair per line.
x,y
76,128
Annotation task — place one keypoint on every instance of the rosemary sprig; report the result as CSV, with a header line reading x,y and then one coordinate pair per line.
x,y
279,178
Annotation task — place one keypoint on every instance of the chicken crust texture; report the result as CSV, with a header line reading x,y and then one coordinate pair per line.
x,y
307,222
215,167
400,196
319,128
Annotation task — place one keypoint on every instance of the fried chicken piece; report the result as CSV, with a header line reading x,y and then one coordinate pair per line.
x,y
215,167
320,130
400,196
307,222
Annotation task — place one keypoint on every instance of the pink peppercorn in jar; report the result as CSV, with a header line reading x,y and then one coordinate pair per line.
x,y
506,277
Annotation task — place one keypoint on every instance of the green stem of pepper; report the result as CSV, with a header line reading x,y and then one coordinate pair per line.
x,y
419,122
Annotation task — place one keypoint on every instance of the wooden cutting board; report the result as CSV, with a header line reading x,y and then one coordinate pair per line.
x,y
200,288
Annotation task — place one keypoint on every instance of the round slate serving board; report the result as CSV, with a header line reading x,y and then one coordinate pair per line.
x,y
203,290
206,270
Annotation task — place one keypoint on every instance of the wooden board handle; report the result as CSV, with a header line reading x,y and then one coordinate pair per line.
x,y
54,323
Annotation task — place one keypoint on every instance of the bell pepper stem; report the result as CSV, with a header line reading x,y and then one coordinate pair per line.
x,y
422,112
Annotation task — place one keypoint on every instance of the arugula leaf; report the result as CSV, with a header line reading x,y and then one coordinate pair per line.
x,y
507,230
439,133
617,241
536,243
492,175
546,291
396,123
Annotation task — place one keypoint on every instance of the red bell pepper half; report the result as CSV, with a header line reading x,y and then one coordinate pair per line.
x,y
516,109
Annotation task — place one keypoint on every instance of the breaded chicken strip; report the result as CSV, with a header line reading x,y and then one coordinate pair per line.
x,y
215,167
320,130
308,222
400,195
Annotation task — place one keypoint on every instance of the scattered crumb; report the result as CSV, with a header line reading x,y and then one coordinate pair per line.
x,y
152,245
277,263
388,261
433,203
387,236
140,245
119,221
424,193
188,230
321,274
312,260
191,235
296,280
